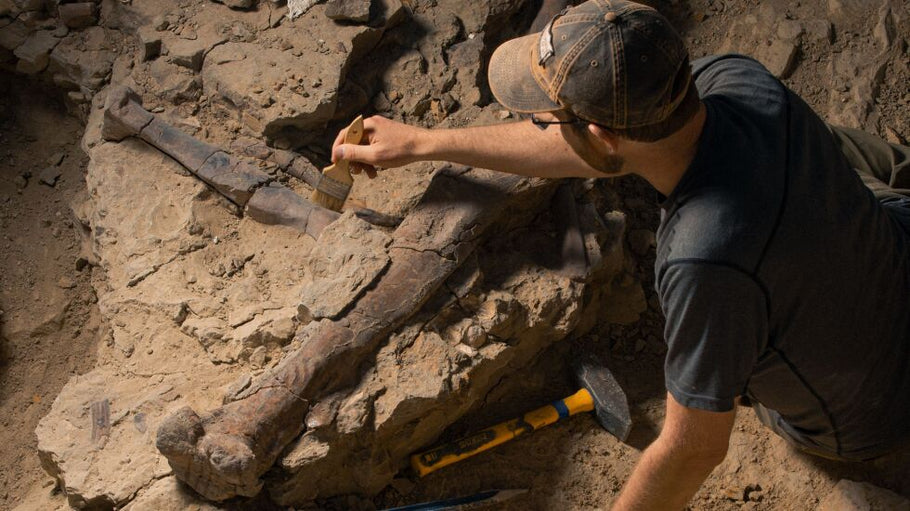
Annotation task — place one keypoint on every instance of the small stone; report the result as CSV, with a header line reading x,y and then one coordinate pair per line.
x,y
503,115
780,58
56,159
139,422
20,182
160,23
78,15
49,176
357,11
258,358
149,44
66,282
34,53
819,30
789,30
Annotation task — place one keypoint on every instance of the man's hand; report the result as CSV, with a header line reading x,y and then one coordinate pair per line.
x,y
672,469
387,144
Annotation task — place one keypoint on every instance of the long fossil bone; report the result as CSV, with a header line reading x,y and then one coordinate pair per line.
x,y
224,453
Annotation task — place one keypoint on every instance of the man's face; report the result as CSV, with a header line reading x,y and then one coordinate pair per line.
x,y
591,149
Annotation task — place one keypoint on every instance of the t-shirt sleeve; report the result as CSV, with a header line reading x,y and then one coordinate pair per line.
x,y
716,326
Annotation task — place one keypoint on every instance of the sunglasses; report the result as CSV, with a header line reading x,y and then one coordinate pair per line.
x,y
544,124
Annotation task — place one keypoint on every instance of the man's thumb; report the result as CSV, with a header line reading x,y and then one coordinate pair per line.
x,y
348,152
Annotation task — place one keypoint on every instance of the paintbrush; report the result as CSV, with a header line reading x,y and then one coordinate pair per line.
x,y
336,180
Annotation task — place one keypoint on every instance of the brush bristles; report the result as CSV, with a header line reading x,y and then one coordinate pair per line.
x,y
327,201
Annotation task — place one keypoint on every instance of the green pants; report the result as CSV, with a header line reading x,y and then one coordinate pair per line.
x,y
883,167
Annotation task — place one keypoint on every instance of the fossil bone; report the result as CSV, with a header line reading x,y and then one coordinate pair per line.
x,y
124,116
224,453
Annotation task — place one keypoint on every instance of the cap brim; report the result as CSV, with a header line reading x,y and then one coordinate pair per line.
x,y
511,80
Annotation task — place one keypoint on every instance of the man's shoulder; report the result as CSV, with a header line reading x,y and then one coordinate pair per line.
x,y
737,77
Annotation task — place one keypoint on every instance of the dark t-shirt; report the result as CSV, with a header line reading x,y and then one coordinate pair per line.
x,y
781,276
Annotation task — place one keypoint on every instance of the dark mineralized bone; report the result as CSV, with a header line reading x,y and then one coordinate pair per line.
x,y
125,117
239,181
224,453
277,205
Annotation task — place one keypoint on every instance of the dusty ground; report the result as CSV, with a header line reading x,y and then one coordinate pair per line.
x,y
51,329
46,295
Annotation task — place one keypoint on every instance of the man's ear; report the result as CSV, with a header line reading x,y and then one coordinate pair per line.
x,y
610,140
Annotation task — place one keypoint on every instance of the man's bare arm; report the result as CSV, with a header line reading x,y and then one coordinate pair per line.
x,y
517,148
672,469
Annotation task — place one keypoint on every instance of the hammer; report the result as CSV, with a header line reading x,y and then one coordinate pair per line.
x,y
599,393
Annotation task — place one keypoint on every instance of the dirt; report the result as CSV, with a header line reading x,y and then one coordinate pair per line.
x,y
52,328
46,294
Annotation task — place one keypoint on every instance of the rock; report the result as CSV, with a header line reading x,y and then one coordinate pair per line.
x,y
168,493
13,36
465,58
190,52
237,4
49,176
626,302
31,5
34,53
819,30
176,84
403,77
105,471
846,11
855,81
349,256
82,63
855,496
357,11
885,30
420,381
149,43
232,70
779,58
789,30
78,15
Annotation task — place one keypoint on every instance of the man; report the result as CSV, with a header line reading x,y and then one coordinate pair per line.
x,y
783,279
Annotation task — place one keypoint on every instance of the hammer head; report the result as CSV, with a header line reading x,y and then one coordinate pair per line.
x,y
610,404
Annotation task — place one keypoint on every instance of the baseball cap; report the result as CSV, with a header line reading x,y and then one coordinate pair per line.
x,y
615,63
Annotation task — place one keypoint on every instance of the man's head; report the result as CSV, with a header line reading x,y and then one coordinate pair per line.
x,y
616,64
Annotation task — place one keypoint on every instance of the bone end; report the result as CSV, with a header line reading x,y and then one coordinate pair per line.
x,y
123,114
218,466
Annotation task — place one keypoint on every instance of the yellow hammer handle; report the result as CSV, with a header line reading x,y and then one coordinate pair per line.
x,y
445,455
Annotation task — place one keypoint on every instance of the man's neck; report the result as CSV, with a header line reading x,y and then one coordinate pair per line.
x,y
663,163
